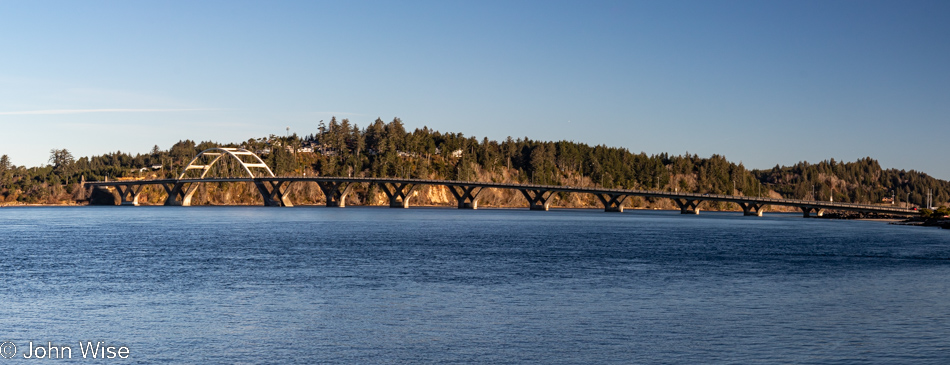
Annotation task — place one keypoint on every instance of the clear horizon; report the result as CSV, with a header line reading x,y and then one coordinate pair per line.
x,y
759,83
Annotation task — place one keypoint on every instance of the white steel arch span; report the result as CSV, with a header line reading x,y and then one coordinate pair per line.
x,y
220,152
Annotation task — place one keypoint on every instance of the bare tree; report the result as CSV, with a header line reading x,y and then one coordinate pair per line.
x,y
61,159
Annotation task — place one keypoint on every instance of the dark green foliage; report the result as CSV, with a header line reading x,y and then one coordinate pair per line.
x,y
389,150
941,212
860,181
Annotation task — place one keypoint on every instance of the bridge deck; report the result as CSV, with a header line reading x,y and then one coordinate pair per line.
x,y
811,204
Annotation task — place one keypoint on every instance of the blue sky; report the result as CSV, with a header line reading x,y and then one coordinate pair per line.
x,y
761,82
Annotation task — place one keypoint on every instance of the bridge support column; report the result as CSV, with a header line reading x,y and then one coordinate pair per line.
x,y
336,192
398,193
176,194
466,196
750,208
818,211
688,206
612,202
274,192
182,194
538,199
129,194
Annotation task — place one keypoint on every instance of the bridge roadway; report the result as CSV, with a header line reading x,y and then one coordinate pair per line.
x,y
399,191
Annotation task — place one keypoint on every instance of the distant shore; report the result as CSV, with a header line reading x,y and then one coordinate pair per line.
x,y
931,222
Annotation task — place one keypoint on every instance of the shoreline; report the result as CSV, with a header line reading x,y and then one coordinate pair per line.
x,y
889,220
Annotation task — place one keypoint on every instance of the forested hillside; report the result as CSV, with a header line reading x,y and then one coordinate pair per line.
x,y
340,148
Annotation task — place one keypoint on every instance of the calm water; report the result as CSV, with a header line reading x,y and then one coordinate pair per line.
x,y
393,286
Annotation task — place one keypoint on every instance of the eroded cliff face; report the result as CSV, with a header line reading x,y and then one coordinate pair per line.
x,y
438,195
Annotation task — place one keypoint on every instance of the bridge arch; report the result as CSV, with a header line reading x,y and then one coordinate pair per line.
x,y
235,153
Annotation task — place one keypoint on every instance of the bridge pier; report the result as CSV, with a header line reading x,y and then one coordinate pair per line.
x,y
336,192
466,196
176,194
129,194
612,202
398,193
184,194
818,211
538,199
688,206
750,208
274,193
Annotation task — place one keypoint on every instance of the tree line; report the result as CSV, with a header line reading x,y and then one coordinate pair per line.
x,y
381,149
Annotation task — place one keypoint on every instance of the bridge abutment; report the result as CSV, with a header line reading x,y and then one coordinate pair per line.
x,y
688,206
612,202
103,195
398,193
538,199
466,196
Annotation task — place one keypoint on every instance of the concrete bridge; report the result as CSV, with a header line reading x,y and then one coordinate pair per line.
x,y
273,190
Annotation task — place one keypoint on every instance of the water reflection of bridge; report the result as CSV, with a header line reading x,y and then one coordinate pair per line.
x,y
273,190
